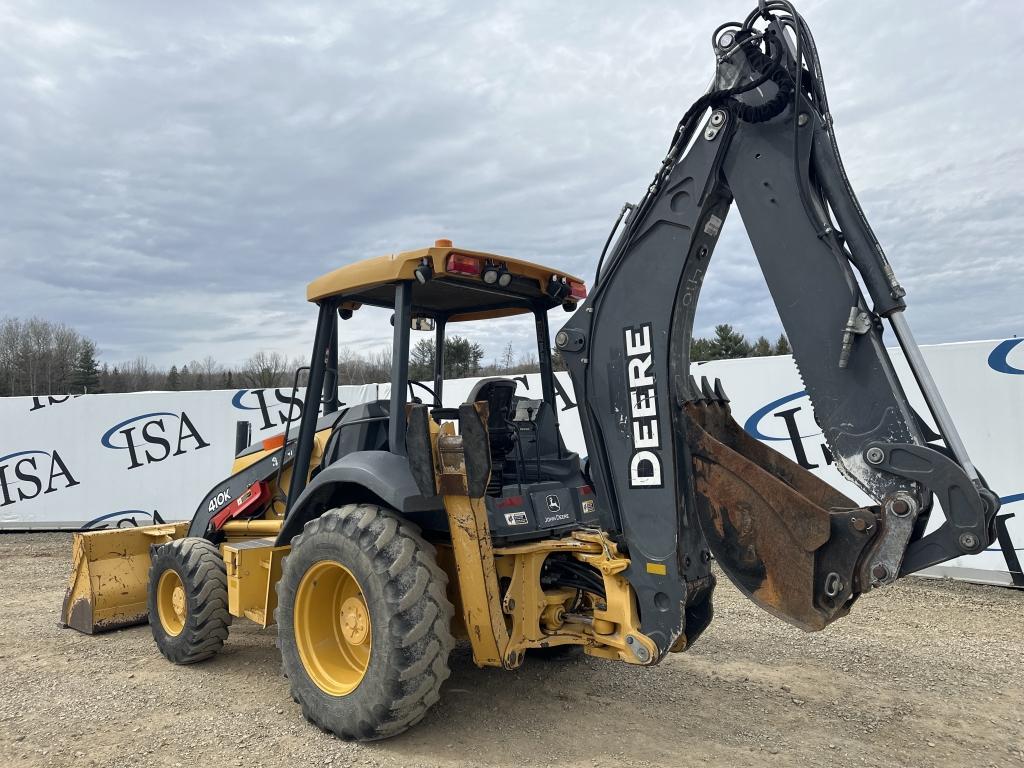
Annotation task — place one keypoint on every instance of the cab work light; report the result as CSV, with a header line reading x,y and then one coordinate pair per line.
x,y
423,272
497,273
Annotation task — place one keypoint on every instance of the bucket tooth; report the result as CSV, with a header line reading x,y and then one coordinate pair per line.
x,y
707,390
698,395
686,393
720,391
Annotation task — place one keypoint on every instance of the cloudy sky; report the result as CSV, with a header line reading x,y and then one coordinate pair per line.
x,y
174,173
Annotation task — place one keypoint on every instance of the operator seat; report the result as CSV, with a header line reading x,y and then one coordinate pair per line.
x,y
499,394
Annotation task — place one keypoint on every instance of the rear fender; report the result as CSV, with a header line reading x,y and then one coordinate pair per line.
x,y
384,475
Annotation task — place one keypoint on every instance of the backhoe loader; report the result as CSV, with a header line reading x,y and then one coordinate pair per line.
x,y
376,535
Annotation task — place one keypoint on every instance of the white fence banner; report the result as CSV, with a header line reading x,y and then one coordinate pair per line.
x,y
99,461
104,460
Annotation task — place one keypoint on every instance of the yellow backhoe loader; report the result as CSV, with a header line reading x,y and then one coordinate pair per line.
x,y
374,536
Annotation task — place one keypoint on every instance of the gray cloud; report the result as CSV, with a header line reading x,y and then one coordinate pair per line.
x,y
176,172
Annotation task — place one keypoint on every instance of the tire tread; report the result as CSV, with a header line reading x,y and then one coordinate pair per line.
x,y
418,615
204,577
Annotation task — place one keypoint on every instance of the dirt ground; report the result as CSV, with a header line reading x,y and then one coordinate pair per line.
x,y
926,673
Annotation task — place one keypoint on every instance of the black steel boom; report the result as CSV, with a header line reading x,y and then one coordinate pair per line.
x,y
679,479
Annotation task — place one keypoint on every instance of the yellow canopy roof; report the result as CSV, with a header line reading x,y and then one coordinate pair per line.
x,y
452,295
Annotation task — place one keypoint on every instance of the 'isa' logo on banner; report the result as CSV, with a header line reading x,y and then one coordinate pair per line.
x,y
150,438
796,420
24,475
256,400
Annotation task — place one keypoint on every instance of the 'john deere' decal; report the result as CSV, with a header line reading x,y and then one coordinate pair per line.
x,y
645,463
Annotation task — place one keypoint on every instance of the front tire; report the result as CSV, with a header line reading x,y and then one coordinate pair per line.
x,y
364,625
188,600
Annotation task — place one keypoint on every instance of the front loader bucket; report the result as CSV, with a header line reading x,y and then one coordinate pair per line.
x,y
788,540
107,588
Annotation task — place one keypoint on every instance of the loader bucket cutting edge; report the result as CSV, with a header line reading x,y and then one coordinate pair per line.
x,y
107,588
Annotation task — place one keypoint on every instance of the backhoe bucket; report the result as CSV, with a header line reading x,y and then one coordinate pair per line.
x,y
787,539
107,588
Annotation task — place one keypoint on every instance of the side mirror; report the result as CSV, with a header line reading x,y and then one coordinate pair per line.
x,y
422,324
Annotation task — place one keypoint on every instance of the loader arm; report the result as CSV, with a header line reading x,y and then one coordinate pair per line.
x,y
678,478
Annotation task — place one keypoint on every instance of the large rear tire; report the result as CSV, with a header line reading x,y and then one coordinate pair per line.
x,y
364,625
188,600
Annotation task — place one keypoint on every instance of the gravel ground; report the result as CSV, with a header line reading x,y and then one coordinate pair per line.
x,y
926,673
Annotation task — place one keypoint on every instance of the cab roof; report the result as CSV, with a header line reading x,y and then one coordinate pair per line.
x,y
455,290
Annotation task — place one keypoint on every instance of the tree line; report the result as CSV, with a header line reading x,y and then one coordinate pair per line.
x,y
39,357
728,343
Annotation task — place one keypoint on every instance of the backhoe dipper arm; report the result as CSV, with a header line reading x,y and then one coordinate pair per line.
x,y
676,476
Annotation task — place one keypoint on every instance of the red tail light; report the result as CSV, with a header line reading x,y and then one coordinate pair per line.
x,y
463,265
577,290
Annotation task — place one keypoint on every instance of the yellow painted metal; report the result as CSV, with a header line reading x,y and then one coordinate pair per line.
x,y
479,594
171,605
333,629
617,617
369,273
537,615
107,588
252,527
253,569
540,618
502,626
478,581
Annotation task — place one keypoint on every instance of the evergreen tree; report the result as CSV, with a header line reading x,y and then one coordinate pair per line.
x,y
700,349
762,348
782,345
85,376
173,379
421,360
728,343
461,358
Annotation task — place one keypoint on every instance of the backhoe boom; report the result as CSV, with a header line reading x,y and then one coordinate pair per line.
x,y
679,478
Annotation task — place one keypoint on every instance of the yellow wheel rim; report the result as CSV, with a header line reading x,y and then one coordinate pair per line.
x,y
171,605
332,628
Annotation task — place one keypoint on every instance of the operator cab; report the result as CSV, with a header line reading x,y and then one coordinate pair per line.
x,y
537,486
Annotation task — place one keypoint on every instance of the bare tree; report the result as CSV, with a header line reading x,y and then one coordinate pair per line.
x,y
37,357
67,344
265,369
138,375
10,336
